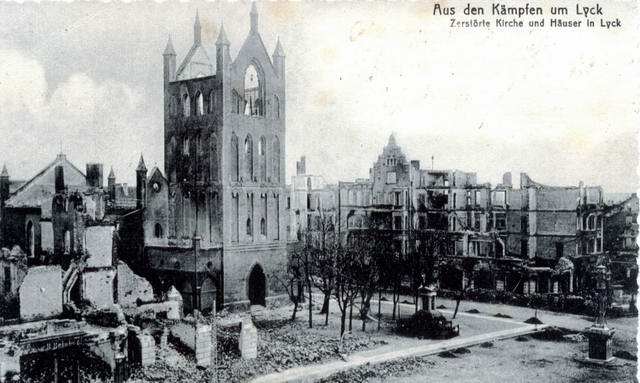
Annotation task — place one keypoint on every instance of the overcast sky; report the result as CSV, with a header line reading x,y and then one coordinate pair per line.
x,y
561,105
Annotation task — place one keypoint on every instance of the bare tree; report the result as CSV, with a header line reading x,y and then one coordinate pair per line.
x,y
466,265
290,280
346,286
323,260
372,248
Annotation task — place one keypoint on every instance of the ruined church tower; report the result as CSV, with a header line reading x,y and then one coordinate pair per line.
x,y
224,135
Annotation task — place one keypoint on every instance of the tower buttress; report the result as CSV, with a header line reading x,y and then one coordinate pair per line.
x,y
141,184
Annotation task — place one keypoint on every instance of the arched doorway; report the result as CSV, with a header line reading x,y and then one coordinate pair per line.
x,y
31,246
257,286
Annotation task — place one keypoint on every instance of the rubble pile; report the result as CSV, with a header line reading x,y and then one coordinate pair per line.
x,y
282,345
380,371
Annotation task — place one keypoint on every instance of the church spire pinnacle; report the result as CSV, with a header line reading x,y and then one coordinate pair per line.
x,y
279,52
197,30
254,17
141,167
168,50
222,36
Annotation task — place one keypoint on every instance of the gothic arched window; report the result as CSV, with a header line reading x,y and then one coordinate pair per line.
x,y
253,92
248,157
276,107
262,158
213,157
186,105
199,104
212,101
185,146
275,161
157,231
235,158
173,106
249,228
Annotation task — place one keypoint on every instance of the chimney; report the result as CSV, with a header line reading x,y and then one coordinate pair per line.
x,y
59,179
301,166
506,179
524,181
4,186
94,175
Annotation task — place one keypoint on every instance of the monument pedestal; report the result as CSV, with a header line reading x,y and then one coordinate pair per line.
x,y
427,298
600,350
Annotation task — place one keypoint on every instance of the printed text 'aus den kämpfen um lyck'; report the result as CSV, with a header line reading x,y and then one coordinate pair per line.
x,y
512,16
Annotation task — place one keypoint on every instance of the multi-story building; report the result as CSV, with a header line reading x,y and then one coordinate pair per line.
x,y
522,233
311,201
620,241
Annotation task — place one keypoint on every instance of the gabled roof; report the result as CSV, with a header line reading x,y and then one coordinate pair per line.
x,y
40,189
256,36
156,173
198,55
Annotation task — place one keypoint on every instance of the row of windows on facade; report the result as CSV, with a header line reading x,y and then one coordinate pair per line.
x,y
235,225
248,160
589,222
456,222
248,171
251,103
31,238
159,231
401,198
251,106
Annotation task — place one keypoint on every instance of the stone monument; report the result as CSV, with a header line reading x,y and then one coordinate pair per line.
x,y
248,339
599,334
427,296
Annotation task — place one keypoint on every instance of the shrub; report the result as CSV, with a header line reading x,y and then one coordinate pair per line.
x,y
426,324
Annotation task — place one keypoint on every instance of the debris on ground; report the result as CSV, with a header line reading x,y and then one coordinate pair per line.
x,y
486,345
403,367
447,354
282,344
522,339
554,334
473,311
501,315
533,320
462,350
441,307
575,338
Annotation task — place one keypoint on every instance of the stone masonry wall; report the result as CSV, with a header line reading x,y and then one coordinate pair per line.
x,y
197,338
41,293
131,287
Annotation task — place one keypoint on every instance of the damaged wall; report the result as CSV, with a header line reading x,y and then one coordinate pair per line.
x,y
41,293
131,287
97,286
99,246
